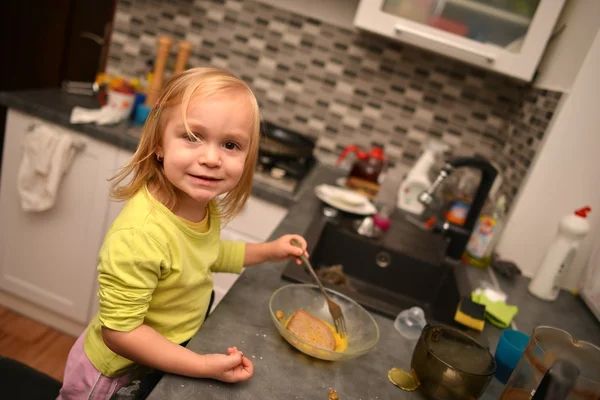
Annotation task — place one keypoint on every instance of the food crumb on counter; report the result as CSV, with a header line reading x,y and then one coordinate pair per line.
x,y
333,394
253,356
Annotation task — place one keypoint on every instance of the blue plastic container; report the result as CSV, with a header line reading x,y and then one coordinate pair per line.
x,y
141,114
140,98
511,346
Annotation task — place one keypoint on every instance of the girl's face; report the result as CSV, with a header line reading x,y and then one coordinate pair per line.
x,y
202,169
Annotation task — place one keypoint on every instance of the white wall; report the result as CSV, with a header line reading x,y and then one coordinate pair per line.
x,y
565,54
564,176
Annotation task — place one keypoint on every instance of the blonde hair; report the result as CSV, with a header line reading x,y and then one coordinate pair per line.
x,y
144,168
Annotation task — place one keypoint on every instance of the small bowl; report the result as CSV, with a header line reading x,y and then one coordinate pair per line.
x,y
363,332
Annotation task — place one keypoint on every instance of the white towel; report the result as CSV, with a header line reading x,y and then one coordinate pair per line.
x,y
47,156
101,116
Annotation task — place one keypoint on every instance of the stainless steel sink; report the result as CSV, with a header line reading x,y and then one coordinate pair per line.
x,y
404,268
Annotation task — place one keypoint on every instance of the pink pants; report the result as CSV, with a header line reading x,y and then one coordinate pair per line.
x,y
83,381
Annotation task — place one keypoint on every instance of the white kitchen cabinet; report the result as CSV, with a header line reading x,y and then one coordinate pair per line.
x,y
562,60
115,207
258,219
505,36
49,258
255,223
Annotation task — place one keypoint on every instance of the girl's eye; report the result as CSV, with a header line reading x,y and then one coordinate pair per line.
x,y
231,146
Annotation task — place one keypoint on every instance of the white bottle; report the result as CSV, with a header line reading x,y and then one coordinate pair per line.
x,y
417,180
571,230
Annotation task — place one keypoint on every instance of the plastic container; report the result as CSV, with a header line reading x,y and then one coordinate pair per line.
x,y
485,236
510,347
387,197
417,180
410,322
140,98
382,219
141,114
571,230
457,213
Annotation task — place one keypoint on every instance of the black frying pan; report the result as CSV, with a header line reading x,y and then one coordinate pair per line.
x,y
282,143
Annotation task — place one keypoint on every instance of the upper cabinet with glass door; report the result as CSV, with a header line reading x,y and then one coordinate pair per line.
x,y
507,36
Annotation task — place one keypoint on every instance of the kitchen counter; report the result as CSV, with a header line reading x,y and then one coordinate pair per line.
x,y
242,319
54,105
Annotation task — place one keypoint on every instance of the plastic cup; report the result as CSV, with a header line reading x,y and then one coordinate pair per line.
x,y
511,346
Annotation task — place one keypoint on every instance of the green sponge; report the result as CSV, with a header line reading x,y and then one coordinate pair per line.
x,y
497,312
470,314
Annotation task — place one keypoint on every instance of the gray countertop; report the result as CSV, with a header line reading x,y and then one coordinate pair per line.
x,y
55,106
242,318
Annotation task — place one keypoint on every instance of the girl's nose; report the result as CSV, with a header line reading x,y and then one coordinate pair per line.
x,y
210,157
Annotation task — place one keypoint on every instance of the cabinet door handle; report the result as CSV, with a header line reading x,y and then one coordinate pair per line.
x,y
405,30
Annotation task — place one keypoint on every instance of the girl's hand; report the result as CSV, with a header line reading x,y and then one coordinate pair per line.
x,y
233,367
283,248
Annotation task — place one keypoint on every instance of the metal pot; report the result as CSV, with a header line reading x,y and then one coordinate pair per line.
x,y
279,143
450,365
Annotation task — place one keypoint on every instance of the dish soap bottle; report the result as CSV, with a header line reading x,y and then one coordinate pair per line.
x,y
364,174
571,230
485,235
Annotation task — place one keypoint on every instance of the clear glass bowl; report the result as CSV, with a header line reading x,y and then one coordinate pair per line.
x,y
363,332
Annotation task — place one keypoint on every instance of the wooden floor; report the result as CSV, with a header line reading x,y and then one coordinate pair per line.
x,y
34,344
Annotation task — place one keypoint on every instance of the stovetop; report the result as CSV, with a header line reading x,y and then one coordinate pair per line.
x,y
285,176
284,173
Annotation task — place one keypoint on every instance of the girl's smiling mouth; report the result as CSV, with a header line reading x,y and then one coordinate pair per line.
x,y
205,179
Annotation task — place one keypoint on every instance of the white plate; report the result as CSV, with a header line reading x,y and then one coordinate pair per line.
x,y
334,196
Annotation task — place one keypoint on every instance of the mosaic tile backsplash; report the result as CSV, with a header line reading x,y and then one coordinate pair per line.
x,y
342,86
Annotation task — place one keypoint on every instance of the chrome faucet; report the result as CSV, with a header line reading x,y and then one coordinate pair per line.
x,y
458,236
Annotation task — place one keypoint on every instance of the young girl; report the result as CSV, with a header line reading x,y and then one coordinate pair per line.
x,y
193,167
